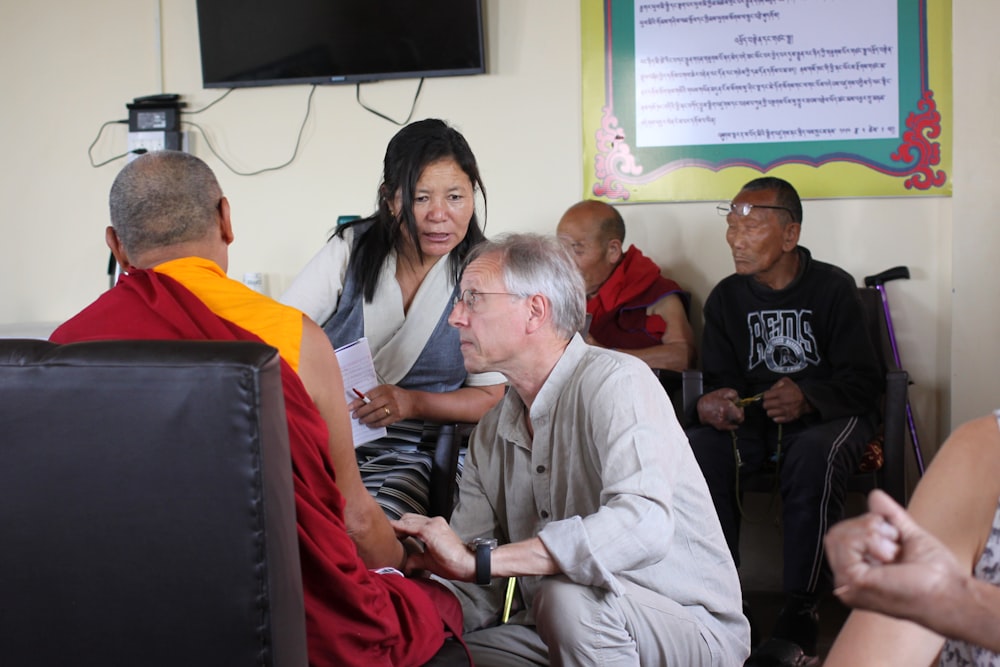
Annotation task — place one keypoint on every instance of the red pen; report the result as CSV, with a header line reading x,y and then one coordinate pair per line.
x,y
361,396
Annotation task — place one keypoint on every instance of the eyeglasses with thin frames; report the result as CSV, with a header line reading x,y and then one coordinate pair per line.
x,y
743,210
471,298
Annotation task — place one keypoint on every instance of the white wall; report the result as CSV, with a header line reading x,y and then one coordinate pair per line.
x,y
975,331
68,67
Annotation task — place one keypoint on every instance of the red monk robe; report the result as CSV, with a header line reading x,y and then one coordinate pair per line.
x,y
353,616
619,306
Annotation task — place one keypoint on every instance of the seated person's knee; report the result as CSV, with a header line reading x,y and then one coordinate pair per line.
x,y
558,595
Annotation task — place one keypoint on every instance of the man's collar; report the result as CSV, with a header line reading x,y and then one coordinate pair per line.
x,y
562,370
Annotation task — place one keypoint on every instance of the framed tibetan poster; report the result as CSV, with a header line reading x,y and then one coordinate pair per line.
x,y
687,100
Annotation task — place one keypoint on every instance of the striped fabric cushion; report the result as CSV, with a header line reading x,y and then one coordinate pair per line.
x,y
399,480
396,469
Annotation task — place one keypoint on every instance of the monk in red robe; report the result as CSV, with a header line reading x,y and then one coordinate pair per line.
x,y
632,307
170,233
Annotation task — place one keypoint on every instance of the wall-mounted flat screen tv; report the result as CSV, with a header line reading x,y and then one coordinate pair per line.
x,y
281,42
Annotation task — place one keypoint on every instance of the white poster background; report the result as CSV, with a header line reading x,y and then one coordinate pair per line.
x,y
750,71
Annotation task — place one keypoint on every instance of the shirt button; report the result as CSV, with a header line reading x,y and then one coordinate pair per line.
x,y
540,469
545,515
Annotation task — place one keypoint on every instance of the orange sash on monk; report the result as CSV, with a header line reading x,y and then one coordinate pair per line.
x,y
278,325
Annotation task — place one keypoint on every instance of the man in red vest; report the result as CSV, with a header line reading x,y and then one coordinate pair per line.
x,y
633,308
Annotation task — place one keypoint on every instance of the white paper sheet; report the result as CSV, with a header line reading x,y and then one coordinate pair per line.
x,y
359,373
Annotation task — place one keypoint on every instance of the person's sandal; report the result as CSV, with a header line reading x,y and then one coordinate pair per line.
x,y
780,653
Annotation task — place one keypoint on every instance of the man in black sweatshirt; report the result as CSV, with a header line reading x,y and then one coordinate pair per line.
x,y
791,378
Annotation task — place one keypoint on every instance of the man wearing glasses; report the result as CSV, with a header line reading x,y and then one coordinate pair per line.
x,y
580,485
791,379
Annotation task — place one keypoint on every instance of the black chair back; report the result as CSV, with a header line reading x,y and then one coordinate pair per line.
x,y
146,506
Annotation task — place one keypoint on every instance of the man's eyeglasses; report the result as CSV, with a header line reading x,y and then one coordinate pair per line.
x,y
471,298
743,210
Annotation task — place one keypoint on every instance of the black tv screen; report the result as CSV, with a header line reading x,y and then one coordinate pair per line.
x,y
280,42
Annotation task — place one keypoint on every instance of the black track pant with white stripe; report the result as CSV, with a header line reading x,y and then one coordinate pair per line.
x,y
815,464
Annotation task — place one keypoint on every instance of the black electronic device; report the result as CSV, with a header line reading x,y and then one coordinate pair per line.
x,y
280,42
155,113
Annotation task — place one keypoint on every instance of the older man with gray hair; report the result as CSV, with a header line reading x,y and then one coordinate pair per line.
x,y
584,478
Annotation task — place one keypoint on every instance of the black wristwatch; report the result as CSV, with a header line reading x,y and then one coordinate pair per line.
x,y
483,546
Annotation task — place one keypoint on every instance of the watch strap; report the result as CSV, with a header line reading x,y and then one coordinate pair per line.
x,y
483,564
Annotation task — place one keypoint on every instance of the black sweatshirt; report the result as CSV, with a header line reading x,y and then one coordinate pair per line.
x,y
813,331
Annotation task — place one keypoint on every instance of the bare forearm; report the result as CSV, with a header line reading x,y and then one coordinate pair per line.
x,y
671,356
676,351
520,559
365,522
447,556
970,613
869,639
372,533
467,404
966,609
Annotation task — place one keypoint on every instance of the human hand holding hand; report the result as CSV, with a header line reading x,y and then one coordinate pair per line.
x,y
784,402
884,561
386,404
719,409
444,552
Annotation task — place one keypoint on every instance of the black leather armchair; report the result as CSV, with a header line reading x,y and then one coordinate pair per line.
x,y
147,507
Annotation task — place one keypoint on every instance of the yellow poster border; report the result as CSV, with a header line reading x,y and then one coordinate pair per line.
x,y
612,174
